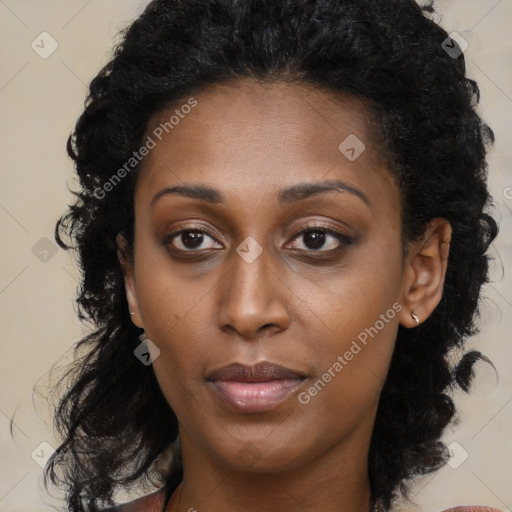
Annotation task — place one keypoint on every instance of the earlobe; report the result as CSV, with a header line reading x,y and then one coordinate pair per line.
x,y
129,281
424,275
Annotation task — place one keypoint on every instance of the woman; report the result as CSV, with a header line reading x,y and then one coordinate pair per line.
x,y
282,232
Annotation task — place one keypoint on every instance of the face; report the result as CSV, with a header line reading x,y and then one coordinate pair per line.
x,y
273,292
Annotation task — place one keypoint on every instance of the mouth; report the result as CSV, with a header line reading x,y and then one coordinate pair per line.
x,y
255,388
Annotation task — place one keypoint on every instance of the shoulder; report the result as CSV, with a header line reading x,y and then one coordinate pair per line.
x,y
153,502
472,508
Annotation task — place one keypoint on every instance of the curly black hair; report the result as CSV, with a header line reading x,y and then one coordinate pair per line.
x,y
389,54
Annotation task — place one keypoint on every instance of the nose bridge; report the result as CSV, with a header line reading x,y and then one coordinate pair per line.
x,y
252,295
252,271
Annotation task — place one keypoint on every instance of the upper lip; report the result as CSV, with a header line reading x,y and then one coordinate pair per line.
x,y
260,372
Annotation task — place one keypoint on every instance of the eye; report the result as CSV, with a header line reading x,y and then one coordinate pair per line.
x,y
316,237
189,240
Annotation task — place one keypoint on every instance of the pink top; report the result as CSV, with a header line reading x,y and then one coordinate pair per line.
x,y
472,508
155,502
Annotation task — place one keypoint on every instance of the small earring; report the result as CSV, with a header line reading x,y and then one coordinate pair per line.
x,y
416,318
132,313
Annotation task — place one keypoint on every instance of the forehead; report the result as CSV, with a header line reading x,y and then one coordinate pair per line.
x,y
246,136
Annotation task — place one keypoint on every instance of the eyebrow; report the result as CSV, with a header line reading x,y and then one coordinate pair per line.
x,y
291,194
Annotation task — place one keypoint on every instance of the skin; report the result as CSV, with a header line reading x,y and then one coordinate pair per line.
x,y
290,306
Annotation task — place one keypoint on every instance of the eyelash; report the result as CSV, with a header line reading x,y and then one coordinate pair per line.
x,y
342,238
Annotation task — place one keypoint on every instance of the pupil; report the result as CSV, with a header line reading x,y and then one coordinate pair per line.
x,y
317,238
194,237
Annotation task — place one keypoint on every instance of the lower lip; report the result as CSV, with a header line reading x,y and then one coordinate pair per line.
x,y
256,396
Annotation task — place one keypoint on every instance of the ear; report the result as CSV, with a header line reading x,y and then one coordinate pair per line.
x,y
425,271
129,280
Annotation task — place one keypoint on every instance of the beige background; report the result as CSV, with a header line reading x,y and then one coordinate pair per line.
x,y
40,100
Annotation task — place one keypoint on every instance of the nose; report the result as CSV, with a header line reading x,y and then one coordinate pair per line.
x,y
254,298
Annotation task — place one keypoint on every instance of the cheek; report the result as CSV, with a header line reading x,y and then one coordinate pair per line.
x,y
179,367
172,312
168,301
356,322
352,371
346,301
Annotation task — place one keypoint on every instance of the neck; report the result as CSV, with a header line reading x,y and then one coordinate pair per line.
x,y
334,481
